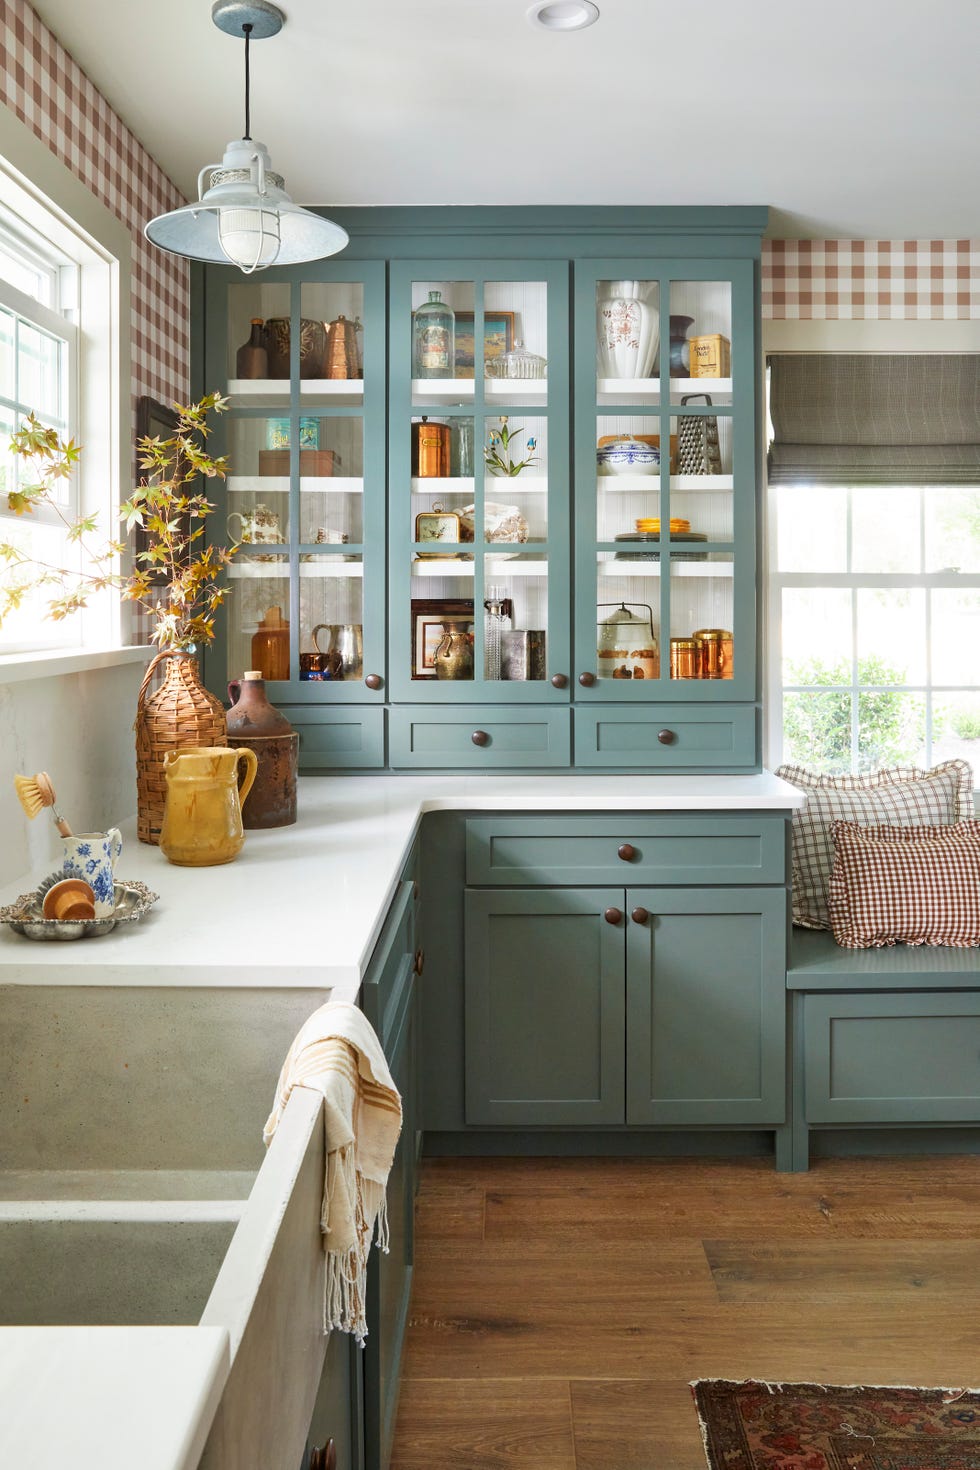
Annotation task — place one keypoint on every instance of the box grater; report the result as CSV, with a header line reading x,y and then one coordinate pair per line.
x,y
698,450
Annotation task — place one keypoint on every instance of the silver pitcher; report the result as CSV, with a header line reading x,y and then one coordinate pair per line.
x,y
345,642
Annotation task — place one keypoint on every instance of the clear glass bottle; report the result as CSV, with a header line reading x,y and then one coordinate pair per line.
x,y
493,621
434,339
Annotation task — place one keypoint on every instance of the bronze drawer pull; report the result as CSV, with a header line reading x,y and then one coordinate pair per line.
x,y
560,681
325,1459
586,680
418,963
666,737
480,737
626,851
373,681
640,915
613,916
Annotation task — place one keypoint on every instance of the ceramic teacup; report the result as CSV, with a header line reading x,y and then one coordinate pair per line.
x,y
92,856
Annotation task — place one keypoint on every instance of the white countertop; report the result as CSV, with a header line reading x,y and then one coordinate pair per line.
x,y
109,1397
302,906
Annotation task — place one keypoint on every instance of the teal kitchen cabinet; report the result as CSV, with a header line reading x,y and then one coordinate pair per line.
x,y
305,496
383,515
611,1006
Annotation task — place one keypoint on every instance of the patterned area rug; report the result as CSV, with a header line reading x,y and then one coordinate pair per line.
x,y
806,1426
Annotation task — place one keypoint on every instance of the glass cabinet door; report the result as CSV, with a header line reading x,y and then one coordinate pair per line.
x,y
304,367
665,480
478,482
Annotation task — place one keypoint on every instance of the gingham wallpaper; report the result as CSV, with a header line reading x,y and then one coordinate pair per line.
x,y
42,84
924,280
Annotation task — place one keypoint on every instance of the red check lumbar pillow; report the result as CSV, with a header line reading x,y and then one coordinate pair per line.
x,y
905,885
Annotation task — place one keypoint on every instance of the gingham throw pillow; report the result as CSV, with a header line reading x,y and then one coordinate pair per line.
x,y
903,796
907,885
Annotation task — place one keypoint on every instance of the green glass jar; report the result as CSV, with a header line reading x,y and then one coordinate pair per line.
x,y
434,339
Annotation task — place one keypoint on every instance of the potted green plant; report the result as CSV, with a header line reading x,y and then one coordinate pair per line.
x,y
175,577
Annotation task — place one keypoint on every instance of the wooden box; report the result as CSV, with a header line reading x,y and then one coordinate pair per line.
x,y
313,462
711,356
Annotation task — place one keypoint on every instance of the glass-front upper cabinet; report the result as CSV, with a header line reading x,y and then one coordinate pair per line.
x,y
478,482
665,480
303,364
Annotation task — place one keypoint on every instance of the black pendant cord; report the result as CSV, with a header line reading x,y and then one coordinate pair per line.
x,y
247,28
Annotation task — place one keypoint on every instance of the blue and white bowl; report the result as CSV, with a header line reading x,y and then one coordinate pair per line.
x,y
628,457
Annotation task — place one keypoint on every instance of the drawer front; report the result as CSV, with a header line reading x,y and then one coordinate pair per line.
x,y
517,851
875,1058
341,739
443,740
702,737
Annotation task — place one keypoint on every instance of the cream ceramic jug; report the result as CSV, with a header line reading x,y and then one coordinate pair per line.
x,y
202,818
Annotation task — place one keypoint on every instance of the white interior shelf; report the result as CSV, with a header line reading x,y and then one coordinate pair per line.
x,y
274,392
645,484
308,485
327,567
461,390
647,390
492,484
677,569
518,566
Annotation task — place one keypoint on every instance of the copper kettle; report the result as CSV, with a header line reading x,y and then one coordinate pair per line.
x,y
340,358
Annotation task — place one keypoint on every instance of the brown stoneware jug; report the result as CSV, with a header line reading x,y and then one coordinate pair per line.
x,y
255,724
202,819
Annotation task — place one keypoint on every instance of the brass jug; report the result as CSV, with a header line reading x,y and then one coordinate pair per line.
x,y
453,658
202,818
340,358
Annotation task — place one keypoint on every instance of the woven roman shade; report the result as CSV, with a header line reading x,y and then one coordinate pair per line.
x,y
875,419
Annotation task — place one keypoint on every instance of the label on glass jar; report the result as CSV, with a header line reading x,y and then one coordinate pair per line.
x,y
434,348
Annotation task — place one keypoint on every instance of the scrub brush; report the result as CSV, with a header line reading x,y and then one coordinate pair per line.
x,y
35,792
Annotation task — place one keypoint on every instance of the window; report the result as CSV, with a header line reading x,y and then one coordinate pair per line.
x,y
38,373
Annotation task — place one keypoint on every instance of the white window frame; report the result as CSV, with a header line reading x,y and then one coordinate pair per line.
x,y
50,200
842,336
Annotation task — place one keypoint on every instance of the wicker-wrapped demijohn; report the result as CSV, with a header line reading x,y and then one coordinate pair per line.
x,y
180,714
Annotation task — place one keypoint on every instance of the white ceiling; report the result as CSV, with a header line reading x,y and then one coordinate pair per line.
x,y
847,117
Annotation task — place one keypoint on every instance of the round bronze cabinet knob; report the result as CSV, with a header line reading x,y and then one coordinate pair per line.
x,y
613,916
480,737
374,681
626,851
666,737
586,680
560,681
640,915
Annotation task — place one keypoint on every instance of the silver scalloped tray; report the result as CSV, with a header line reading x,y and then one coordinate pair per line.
x,y
25,916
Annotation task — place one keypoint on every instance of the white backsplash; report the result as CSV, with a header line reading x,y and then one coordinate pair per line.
x,y
78,728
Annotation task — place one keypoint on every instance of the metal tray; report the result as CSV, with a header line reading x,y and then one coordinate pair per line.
x,y
25,916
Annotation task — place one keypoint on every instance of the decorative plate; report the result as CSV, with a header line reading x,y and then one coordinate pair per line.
x,y
25,916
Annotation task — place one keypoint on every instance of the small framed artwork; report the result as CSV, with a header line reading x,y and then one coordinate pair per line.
x,y
429,615
498,337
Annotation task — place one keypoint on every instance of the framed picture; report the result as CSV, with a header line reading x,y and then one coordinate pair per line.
x,y
428,617
498,337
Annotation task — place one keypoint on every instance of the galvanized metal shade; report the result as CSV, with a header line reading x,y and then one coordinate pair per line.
x,y
195,230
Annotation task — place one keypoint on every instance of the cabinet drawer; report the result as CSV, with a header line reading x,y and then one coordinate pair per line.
x,y
427,738
704,737
875,1058
338,739
517,851
390,969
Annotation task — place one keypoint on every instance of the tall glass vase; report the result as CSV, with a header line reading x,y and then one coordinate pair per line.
x,y
627,332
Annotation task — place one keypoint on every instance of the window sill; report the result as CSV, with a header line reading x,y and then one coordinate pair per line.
x,y
48,663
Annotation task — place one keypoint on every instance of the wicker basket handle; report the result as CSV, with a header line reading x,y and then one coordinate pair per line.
x,y
151,669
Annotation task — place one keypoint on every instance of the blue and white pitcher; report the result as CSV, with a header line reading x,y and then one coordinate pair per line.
x,y
92,856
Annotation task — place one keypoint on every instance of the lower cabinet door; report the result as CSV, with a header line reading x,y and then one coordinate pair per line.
x,y
706,988
544,996
338,1414
389,1286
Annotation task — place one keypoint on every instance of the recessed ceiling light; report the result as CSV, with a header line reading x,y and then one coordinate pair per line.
x,y
563,15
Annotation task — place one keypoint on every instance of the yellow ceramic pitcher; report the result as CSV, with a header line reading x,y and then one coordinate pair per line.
x,y
202,818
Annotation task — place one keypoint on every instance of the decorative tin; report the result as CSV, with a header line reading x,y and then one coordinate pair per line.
x,y
431,450
711,356
278,435
522,653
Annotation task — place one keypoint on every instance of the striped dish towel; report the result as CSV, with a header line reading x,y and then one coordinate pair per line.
x,y
337,1053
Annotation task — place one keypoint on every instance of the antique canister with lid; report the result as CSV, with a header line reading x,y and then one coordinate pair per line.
x,y
626,645
431,449
255,724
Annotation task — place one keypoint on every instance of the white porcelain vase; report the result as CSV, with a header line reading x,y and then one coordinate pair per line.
x,y
627,332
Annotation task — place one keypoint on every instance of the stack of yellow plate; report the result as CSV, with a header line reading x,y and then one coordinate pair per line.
x,y
650,525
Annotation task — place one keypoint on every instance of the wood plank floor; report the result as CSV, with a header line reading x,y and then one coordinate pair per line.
x,y
561,1307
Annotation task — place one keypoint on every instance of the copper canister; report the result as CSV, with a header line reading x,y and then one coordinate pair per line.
x,y
683,658
430,450
715,651
708,644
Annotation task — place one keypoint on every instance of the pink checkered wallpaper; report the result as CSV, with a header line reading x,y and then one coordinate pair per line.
x,y
42,84
924,280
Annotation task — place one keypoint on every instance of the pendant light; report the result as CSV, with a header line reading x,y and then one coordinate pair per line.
x,y
245,216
